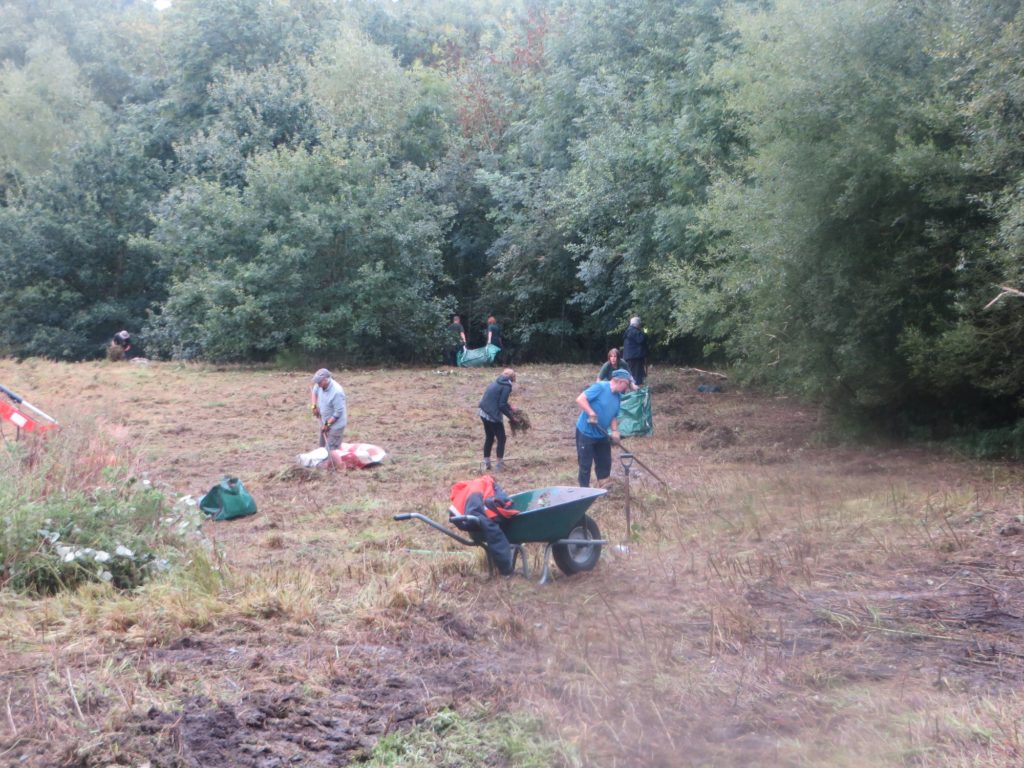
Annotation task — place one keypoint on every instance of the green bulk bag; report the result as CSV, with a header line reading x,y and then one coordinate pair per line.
x,y
228,500
635,413
474,358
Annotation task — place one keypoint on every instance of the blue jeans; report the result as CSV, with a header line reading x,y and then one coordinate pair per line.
x,y
596,451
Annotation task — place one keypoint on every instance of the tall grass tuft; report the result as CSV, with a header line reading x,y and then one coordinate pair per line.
x,y
73,509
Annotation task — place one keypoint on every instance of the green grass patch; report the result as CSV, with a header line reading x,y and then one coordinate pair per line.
x,y
474,740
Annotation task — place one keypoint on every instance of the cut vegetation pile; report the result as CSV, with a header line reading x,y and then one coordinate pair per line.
x,y
785,601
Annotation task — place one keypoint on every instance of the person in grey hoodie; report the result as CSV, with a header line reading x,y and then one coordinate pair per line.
x,y
493,407
330,407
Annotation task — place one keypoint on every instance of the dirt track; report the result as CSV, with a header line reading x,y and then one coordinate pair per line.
x,y
785,602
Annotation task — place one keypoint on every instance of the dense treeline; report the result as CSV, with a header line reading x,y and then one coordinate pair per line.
x,y
825,194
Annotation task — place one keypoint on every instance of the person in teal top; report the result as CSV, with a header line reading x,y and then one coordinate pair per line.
x,y
494,332
597,425
614,363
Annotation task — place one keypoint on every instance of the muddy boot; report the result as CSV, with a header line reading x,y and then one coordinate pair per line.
x,y
499,466
487,465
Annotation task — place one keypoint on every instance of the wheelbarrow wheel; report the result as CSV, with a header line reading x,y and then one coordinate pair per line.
x,y
573,558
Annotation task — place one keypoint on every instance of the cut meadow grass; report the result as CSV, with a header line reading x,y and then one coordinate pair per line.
x,y
786,602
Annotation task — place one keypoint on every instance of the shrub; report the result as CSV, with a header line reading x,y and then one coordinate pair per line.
x,y
73,510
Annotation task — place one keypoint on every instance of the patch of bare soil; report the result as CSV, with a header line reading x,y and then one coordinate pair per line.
x,y
375,686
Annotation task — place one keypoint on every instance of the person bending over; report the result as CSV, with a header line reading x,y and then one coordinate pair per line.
x,y
597,425
493,407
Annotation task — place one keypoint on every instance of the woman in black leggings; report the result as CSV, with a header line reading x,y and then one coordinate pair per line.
x,y
493,407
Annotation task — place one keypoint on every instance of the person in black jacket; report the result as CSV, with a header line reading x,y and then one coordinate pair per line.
x,y
634,351
493,407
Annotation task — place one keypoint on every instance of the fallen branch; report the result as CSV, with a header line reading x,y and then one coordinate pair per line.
x,y
1006,291
704,373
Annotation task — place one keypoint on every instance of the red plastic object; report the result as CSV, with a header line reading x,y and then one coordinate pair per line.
x,y
26,423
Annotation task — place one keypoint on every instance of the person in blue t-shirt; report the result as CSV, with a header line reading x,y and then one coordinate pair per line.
x,y
598,424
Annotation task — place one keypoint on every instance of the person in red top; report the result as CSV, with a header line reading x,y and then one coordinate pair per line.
x,y
487,501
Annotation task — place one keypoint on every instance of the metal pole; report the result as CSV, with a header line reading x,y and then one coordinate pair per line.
x,y
627,461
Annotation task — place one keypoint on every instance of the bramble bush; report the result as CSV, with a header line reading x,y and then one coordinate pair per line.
x,y
72,510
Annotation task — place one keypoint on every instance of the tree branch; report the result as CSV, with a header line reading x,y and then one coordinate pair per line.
x,y
1006,291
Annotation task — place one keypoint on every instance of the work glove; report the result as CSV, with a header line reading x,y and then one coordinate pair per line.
x,y
327,426
315,410
592,419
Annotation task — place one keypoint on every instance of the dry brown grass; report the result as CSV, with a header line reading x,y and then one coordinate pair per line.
x,y
784,602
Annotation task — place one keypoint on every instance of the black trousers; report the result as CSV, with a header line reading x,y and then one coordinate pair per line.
x,y
451,354
494,430
638,369
596,451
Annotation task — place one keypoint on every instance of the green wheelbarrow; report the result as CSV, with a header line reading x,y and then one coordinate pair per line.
x,y
555,516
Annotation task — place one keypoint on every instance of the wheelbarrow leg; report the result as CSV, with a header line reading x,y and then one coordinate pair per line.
x,y
519,553
545,575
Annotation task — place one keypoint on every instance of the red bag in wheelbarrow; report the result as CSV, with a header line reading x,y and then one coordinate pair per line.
x,y
487,501
228,500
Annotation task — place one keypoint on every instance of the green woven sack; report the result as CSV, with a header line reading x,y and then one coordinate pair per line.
x,y
635,413
474,358
228,500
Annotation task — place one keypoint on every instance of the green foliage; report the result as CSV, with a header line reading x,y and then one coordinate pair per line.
x,y
69,279
331,251
252,112
45,108
448,738
70,514
841,234
826,194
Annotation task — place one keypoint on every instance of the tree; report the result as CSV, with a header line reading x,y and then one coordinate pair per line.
x,y
839,233
45,108
69,276
328,252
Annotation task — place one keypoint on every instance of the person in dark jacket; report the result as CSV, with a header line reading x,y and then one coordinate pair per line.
x,y
634,351
493,407
456,336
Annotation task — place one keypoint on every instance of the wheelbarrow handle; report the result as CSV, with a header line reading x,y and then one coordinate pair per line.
x,y
435,525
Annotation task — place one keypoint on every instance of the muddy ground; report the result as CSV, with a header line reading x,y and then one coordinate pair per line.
x,y
782,599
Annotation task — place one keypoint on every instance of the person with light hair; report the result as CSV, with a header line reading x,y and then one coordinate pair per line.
x,y
634,351
329,406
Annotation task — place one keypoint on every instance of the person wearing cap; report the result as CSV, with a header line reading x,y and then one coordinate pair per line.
x,y
598,425
634,350
121,345
492,409
328,405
